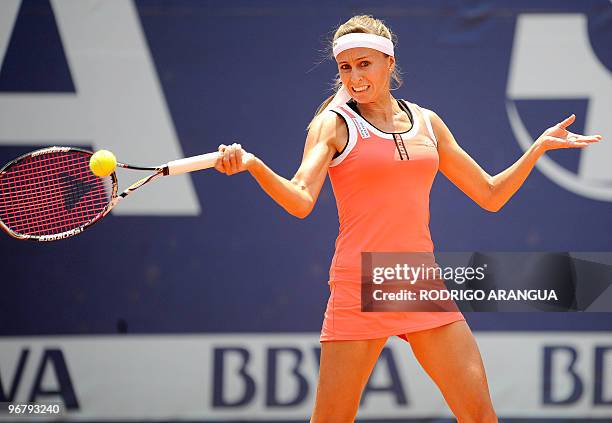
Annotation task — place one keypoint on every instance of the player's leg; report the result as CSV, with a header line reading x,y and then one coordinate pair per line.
x,y
450,356
344,371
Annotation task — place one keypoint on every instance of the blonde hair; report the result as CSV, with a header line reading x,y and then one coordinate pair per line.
x,y
360,24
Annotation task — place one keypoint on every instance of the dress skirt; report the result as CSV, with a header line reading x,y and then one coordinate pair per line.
x,y
345,321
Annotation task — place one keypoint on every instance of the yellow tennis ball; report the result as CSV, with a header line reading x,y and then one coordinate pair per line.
x,y
102,163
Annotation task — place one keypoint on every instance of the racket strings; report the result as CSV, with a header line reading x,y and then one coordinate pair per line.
x,y
52,193
36,189
36,207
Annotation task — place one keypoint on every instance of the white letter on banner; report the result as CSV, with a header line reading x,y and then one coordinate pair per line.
x,y
541,70
118,104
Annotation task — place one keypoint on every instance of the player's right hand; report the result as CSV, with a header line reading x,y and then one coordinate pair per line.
x,y
233,159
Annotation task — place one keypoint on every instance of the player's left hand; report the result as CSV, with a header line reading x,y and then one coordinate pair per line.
x,y
559,137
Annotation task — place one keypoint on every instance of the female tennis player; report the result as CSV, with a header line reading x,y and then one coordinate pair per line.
x,y
382,154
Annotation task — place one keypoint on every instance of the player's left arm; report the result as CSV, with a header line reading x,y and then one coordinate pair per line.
x,y
492,192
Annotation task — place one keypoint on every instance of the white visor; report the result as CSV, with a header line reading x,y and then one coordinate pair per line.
x,y
354,40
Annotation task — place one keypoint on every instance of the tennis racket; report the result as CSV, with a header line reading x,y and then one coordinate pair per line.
x,y
51,194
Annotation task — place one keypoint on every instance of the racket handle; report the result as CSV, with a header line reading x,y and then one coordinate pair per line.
x,y
191,164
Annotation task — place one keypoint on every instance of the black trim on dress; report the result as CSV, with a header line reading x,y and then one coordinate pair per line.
x,y
337,154
401,103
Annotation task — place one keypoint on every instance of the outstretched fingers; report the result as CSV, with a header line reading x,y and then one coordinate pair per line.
x,y
558,136
572,141
571,137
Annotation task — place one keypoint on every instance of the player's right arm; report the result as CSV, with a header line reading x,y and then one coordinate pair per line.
x,y
326,136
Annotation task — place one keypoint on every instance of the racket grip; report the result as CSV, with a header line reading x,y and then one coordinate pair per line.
x,y
191,164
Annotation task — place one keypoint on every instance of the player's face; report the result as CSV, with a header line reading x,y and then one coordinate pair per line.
x,y
365,73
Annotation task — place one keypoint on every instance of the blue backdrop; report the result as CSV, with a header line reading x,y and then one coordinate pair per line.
x,y
255,73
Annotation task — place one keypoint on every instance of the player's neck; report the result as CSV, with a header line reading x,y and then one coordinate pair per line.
x,y
382,109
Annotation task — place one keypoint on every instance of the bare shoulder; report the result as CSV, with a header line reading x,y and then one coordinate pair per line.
x,y
439,127
329,128
427,113
433,116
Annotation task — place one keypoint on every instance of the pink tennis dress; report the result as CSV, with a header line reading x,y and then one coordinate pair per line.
x,y
381,182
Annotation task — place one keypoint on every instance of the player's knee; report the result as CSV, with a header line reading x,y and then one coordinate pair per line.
x,y
477,413
340,411
333,415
